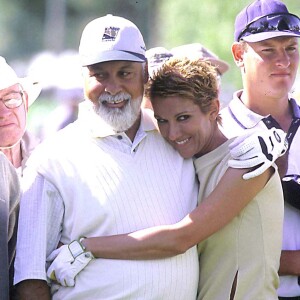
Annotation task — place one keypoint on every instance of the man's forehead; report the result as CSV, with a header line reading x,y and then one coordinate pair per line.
x,y
116,64
11,89
279,39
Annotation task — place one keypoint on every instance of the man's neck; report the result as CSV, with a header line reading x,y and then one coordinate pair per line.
x,y
278,108
131,132
14,155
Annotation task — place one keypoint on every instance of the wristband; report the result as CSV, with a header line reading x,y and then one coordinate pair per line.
x,y
80,242
75,248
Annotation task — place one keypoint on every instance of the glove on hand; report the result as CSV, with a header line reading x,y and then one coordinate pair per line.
x,y
67,262
257,150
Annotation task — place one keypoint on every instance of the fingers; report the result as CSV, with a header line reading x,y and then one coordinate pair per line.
x,y
256,172
53,255
247,163
52,276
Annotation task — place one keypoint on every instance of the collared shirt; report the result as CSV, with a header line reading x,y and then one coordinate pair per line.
x,y
236,118
89,181
28,144
100,129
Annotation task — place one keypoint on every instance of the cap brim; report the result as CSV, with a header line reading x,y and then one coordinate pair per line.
x,y
112,55
32,87
221,65
267,35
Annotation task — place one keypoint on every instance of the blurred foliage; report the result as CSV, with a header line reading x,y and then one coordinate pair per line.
x,y
31,26
210,23
25,23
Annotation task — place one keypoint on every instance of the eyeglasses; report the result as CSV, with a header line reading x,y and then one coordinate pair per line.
x,y
273,22
13,100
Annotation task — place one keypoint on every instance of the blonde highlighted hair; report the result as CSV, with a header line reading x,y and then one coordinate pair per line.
x,y
196,80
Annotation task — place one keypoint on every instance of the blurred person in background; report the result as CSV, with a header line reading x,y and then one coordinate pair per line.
x,y
17,95
158,55
196,51
267,52
16,144
9,208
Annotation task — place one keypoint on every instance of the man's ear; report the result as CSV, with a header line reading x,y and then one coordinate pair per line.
x,y
238,50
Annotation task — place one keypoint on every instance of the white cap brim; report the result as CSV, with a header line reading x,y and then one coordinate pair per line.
x,y
32,87
112,55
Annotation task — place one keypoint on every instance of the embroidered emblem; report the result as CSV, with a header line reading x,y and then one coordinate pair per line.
x,y
110,34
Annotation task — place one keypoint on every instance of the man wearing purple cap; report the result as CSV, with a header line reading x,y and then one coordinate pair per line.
x,y
266,50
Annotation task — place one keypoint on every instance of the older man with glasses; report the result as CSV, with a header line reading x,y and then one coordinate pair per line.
x,y
16,94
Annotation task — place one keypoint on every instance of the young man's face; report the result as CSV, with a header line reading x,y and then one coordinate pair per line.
x,y
116,88
270,66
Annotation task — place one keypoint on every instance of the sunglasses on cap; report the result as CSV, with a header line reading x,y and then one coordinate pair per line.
x,y
272,22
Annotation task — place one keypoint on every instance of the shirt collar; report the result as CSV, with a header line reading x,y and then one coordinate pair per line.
x,y
243,115
295,108
249,119
100,129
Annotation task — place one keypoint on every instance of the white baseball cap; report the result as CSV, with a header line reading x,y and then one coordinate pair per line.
x,y
111,38
156,57
198,51
8,77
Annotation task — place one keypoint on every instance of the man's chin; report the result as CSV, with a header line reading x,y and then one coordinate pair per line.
x,y
120,119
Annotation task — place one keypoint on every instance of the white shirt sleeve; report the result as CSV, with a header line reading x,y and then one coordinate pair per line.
x,y
39,230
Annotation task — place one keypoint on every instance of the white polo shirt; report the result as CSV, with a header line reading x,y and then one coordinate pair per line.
x,y
89,181
236,118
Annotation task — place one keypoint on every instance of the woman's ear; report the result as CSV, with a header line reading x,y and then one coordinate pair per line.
x,y
214,109
238,50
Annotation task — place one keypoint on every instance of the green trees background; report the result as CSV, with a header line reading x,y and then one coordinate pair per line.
x,y
28,27
31,26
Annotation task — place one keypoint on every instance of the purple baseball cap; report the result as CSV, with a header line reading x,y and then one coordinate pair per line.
x,y
265,19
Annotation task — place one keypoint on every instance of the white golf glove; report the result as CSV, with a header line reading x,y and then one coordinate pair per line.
x,y
257,150
67,262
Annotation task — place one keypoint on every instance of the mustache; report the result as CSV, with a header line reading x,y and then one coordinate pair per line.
x,y
106,97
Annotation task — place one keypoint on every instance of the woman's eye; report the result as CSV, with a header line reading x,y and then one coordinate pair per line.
x,y
183,118
99,75
160,120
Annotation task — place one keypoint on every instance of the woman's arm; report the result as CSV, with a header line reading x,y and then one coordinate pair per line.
x,y
229,197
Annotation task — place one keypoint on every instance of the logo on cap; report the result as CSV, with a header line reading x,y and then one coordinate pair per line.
x,y
110,34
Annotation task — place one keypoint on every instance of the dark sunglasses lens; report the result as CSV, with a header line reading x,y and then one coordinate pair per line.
x,y
276,23
273,23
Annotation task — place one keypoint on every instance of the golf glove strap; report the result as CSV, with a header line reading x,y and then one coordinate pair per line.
x,y
67,262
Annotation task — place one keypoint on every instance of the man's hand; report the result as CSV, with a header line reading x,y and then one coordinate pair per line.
x,y
68,261
257,150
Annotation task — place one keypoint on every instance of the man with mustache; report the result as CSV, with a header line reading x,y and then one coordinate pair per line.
x,y
109,172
